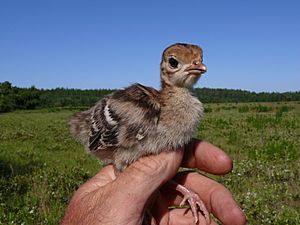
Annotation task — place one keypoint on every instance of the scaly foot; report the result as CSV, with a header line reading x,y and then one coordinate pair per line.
x,y
194,201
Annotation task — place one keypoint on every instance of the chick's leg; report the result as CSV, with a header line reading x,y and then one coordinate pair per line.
x,y
193,200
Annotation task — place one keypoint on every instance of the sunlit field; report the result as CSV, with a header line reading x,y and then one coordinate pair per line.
x,y
41,164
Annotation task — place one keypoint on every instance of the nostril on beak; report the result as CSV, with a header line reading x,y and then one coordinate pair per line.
x,y
196,62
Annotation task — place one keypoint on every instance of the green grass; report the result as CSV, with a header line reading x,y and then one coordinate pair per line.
x,y
41,165
264,142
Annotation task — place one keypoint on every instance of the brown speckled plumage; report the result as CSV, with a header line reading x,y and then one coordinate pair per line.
x,y
139,120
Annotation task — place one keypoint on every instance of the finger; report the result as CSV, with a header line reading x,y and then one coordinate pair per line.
x,y
226,209
185,217
105,176
160,211
206,157
142,178
182,217
216,197
165,216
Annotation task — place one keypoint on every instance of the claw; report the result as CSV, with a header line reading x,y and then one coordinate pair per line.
x,y
185,198
194,201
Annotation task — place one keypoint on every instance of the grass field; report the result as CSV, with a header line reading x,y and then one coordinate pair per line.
x,y
41,165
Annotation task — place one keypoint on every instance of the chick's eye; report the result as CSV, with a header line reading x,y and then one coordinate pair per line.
x,y
173,62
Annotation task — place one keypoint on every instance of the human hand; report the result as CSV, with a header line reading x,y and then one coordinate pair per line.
x,y
107,199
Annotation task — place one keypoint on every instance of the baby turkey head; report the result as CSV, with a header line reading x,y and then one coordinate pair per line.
x,y
139,120
182,65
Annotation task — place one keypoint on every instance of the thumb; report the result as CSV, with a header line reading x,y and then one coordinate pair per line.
x,y
142,178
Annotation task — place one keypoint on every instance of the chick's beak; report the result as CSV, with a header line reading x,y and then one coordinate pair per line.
x,y
197,69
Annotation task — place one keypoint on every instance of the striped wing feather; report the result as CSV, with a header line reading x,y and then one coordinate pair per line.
x,y
123,118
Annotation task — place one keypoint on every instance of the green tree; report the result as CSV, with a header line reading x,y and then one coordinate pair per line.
x,y
6,101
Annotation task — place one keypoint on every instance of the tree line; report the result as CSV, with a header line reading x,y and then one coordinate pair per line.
x,y
14,98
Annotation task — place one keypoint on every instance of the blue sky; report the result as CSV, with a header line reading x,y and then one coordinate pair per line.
x,y
252,45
